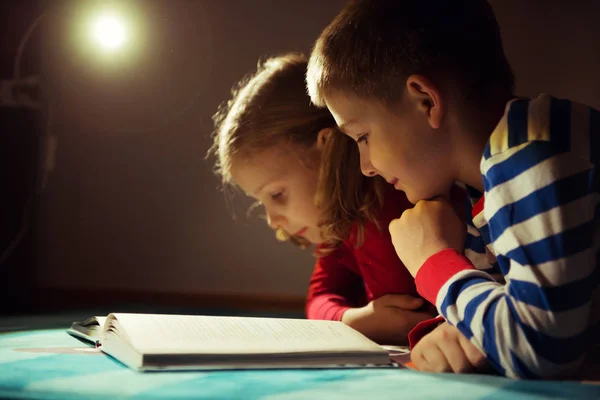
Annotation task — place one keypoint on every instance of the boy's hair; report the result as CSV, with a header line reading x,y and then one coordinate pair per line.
x,y
270,107
373,46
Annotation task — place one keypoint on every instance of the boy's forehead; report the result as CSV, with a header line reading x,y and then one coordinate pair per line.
x,y
346,107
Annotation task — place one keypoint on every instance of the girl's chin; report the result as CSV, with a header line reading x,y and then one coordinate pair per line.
x,y
313,239
306,240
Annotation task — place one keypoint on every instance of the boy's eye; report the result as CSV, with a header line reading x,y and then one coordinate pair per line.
x,y
363,138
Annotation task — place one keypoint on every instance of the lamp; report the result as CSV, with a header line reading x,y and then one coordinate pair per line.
x,y
109,31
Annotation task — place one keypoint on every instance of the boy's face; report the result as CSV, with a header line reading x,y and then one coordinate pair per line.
x,y
396,142
285,186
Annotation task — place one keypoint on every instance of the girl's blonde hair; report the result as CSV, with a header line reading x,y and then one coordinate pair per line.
x,y
271,107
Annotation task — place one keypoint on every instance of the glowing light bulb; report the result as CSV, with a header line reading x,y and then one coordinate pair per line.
x,y
110,32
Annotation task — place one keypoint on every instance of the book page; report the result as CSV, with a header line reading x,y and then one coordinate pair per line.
x,y
228,335
90,330
101,321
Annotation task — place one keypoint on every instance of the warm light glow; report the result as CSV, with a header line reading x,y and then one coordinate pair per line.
x,y
110,32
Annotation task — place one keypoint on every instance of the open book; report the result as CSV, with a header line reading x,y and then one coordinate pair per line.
x,y
147,342
90,329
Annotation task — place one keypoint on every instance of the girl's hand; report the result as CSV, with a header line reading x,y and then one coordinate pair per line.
x,y
388,319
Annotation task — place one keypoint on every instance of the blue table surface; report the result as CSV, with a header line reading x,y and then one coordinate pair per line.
x,y
50,364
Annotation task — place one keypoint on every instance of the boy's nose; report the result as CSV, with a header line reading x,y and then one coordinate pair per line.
x,y
367,168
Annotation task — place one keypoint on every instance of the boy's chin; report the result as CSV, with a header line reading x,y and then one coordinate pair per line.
x,y
415,197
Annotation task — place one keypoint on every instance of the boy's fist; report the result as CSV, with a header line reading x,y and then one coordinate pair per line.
x,y
445,349
426,229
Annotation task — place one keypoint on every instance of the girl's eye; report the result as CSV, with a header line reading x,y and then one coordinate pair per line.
x,y
277,196
363,138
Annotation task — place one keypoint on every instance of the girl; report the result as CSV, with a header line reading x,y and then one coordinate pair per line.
x,y
279,149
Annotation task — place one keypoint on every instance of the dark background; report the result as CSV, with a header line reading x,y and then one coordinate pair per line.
x,y
131,210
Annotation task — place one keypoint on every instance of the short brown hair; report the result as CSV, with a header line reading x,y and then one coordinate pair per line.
x,y
270,107
373,46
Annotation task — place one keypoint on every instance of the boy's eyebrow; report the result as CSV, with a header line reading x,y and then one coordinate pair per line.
x,y
345,125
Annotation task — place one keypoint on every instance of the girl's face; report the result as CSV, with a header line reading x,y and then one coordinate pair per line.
x,y
285,183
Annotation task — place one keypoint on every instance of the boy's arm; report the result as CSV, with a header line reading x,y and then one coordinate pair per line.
x,y
540,210
334,286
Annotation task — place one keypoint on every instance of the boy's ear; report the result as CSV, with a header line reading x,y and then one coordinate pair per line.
x,y
428,99
322,137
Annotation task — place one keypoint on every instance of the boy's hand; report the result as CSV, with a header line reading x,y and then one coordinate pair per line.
x,y
445,349
388,319
426,229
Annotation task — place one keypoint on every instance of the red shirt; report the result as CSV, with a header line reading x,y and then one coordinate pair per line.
x,y
353,276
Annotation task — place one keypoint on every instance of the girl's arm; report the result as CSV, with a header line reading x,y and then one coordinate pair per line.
x,y
335,286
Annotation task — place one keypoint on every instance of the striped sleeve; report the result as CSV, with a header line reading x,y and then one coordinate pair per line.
x,y
475,250
540,205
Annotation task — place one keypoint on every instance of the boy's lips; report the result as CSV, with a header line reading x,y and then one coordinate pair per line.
x,y
393,181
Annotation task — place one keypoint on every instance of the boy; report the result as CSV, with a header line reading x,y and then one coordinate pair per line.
x,y
427,93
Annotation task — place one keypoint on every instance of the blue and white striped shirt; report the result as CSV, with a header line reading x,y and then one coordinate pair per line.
x,y
539,226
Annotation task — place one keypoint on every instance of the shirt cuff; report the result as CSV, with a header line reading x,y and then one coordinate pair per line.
x,y
325,309
422,329
339,313
437,270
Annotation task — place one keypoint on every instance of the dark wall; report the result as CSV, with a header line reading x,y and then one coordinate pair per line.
x,y
132,203
553,46
20,131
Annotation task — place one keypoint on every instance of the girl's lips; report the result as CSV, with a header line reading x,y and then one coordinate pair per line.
x,y
301,232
